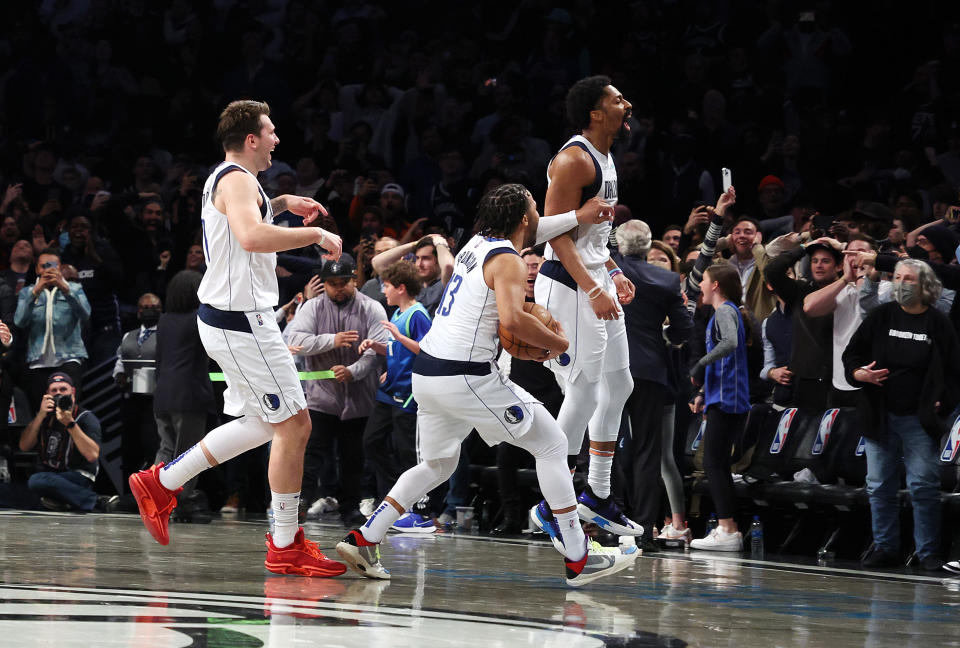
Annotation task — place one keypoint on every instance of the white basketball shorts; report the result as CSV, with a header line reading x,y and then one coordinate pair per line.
x,y
261,377
596,346
449,407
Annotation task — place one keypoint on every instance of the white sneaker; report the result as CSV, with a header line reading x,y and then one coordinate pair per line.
x,y
670,532
719,540
321,506
598,562
366,506
953,566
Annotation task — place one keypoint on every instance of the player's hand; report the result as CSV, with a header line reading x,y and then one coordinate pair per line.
x,y
308,208
331,243
594,212
345,338
625,289
341,374
605,307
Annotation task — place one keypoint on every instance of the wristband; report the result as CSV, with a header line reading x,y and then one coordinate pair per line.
x,y
615,272
323,238
593,294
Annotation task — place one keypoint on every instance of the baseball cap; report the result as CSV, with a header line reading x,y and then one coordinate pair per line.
x,y
393,187
834,252
343,267
59,376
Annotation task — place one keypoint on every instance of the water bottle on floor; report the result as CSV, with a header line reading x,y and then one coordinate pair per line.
x,y
756,538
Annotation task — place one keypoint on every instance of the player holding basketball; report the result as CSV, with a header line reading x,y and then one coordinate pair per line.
x,y
239,331
581,285
458,388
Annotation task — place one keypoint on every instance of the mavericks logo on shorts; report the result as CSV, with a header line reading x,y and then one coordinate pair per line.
x,y
513,414
272,401
259,320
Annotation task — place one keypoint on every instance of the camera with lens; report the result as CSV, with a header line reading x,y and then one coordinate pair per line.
x,y
63,402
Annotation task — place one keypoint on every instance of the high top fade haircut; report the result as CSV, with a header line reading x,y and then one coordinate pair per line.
x,y
585,95
239,119
501,210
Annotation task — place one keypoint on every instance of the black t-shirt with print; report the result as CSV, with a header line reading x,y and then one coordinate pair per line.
x,y
908,355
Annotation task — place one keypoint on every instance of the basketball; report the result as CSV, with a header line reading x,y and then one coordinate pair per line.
x,y
517,347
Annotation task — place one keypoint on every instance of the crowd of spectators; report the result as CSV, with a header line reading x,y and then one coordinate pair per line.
x,y
843,137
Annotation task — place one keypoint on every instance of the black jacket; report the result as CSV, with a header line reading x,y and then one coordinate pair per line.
x,y
183,381
657,298
941,383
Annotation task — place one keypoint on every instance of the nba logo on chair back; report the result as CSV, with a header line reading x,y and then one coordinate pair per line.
x,y
783,429
953,443
699,437
823,432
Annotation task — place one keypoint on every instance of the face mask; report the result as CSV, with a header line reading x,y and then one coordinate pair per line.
x,y
906,294
149,316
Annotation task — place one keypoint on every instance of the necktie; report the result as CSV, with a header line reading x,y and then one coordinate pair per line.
x,y
144,334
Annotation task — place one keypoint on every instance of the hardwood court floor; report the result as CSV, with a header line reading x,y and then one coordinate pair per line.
x,y
100,580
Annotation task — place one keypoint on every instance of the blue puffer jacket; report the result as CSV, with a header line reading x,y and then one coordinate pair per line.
x,y
70,312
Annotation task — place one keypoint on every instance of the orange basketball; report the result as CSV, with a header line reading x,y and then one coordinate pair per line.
x,y
517,347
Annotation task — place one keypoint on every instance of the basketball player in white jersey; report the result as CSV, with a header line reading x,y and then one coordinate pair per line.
x,y
457,388
581,286
239,331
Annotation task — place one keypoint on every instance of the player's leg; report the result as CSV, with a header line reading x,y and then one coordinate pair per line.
x,y
585,562
616,384
156,488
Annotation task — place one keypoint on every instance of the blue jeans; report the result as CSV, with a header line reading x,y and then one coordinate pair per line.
x,y
69,487
907,444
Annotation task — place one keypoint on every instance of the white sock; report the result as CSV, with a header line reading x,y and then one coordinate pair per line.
x,y
184,468
285,523
574,542
601,464
223,443
379,522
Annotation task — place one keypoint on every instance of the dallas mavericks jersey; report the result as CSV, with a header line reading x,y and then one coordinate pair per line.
x,y
465,325
591,240
235,280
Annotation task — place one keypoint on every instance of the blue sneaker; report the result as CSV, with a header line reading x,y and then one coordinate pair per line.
x,y
606,514
411,522
542,518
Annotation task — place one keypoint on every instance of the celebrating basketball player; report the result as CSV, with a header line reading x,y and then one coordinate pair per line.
x,y
581,286
239,331
458,388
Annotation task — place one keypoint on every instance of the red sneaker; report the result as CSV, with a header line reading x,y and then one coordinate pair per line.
x,y
155,501
302,558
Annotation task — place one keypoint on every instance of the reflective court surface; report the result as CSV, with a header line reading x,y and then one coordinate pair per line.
x,y
100,580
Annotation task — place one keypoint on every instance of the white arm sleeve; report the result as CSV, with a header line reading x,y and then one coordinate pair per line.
x,y
552,226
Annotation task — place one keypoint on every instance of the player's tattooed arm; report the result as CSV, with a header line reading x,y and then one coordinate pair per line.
x,y
279,204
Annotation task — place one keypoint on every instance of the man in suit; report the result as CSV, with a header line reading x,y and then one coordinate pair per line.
x,y
661,301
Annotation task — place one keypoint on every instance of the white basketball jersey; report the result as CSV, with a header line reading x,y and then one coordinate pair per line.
x,y
465,325
591,240
235,280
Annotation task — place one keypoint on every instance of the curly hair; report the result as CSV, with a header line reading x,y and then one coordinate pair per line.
x,y
501,209
930,286
403,273
239,119
585,95
182,292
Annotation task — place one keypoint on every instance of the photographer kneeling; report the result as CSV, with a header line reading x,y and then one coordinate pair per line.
x,y
69,446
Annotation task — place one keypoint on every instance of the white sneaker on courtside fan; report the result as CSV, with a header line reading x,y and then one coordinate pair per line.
x,y
719,540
